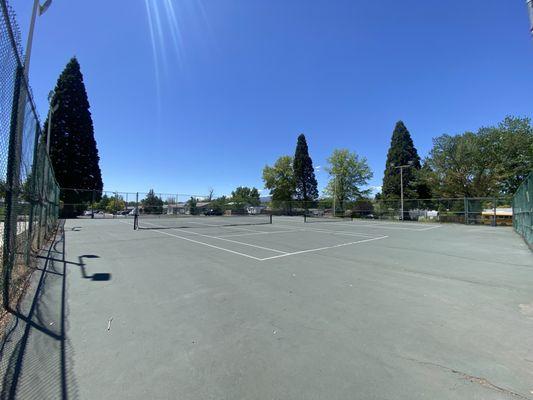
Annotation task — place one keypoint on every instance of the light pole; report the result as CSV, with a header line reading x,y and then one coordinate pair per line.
x,y
25,69
51,110
401,168
36,8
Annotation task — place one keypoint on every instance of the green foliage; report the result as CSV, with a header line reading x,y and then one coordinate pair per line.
x,y
279,179
325,202
348,174
102,204
219,205
192,205
72,145
304,173
114,204
401,152
362,207
152,204
493,161
510,146
243,196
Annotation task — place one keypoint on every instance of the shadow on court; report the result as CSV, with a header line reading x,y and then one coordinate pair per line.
x,y
35,353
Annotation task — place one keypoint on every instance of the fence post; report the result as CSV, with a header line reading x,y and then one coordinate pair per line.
x,y
466,210
12,177
31,196
92,204
494,205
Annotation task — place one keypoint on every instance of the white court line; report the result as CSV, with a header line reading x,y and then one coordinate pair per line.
x,y
202,243
259,233
226,240
337,232
266,258
383,226
430,227
208,245
322,248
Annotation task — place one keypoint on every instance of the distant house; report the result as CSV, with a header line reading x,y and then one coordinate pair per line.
x,y
183,208
175,209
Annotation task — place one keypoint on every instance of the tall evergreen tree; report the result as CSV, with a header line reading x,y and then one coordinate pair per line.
x,y
72,145
401,152
304,173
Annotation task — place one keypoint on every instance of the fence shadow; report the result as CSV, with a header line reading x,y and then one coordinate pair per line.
x,y
35,352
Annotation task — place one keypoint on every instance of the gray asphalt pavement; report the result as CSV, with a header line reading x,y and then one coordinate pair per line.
x,y
362,310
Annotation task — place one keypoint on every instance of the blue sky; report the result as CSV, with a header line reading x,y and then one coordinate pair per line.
x,y
225,86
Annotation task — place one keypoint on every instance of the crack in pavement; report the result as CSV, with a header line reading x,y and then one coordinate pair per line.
x,y
474,379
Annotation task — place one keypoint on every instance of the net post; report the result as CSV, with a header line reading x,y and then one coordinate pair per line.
x,y
92,204
305,218
494,205
136,213
270,219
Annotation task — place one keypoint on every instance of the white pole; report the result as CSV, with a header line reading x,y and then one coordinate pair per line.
x,y
401,191
30,38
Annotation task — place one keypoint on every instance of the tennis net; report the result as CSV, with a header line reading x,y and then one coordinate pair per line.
x,y
172,221
326,218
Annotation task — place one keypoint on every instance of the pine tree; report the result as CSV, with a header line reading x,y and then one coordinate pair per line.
x,y
73,148
304,173
152,204
401,152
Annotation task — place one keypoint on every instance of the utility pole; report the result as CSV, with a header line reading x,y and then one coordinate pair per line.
x,y
401,168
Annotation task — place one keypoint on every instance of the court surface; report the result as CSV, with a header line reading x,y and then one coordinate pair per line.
x,y
346,310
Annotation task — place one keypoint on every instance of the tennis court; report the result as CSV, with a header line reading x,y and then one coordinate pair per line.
x,y
287,310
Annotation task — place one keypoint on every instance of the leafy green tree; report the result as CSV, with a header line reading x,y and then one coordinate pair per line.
x,y
304,173
102,204
152,204
73,148
192,204
510,147
348,174
219,205
490,162
460,168
243,196
401,152
115,203
279,179
362,207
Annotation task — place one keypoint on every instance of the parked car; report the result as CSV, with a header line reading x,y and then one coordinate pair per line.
x,y
213,211
88,213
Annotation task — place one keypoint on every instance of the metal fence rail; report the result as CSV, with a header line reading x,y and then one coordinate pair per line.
x,y
29,194
523,210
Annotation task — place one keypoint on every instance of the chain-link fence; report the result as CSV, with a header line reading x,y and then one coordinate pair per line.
x,y
101,204
28,190
523,210
467,210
